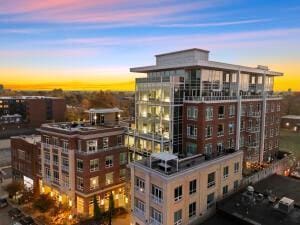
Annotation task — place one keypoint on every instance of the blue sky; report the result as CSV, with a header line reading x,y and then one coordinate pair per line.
x,y
79,44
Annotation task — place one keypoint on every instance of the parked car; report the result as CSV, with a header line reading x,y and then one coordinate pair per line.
x,y
15,213
3,202
27,220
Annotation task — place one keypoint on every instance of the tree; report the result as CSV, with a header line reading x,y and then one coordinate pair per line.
x,y
97,210
111,207
44,203
13,188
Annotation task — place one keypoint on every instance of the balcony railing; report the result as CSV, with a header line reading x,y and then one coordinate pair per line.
x,y
100,150
156,199
254,114
253,129
153,221
140,213
139,189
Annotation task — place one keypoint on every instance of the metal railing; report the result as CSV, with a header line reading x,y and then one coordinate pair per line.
x,y
100,150
156,199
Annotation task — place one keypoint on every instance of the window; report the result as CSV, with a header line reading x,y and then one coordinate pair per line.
x,y
91,145
210,200
80,183
21,154
94,165
208,131
120,140
139,206
193,186
157,194
225,190
192,113
191,149
47,142
208,149
139,184
236,167
278,107
55,142
65,164
65,145
56,176
220,147
55,159
178,193
122,174
178,217
192,209
109,178
231,128
231,110
94,182
105,142
221,112
231,143
220,129
209,113
225,172
109,161
47,158
211,180
192,131
156,217
242,141
236,185
123,158
48,173
65,180
79,165
243,125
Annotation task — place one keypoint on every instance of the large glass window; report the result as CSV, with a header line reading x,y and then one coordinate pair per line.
x,y
192,209
191,149
193,186
94,165
192,113
211,180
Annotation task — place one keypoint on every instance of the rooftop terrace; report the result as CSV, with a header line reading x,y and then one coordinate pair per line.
x,y
167,164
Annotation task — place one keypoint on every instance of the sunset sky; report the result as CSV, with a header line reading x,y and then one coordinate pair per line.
x,y
91,44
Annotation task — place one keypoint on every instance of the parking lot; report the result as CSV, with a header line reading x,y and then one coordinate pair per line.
x,y
4,218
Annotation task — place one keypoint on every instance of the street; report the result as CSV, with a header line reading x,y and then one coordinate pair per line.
x,y
4,218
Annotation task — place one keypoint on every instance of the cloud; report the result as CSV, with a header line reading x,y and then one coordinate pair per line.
x,y
215,24
102,11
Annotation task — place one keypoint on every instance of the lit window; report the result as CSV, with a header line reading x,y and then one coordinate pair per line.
x,y
94,183
109,178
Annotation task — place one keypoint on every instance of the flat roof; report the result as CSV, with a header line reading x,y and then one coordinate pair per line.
x,y
32,139
165,156
205,64
181,51
293,117
263,212
28,97
105,110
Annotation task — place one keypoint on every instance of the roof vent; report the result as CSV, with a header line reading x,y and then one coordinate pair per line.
x,y
285,205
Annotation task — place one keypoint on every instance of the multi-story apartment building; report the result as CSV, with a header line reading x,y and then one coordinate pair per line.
x,y
188,104
33,110
168,190
78,161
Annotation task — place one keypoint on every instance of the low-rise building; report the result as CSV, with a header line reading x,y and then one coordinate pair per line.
x,y
168,190
78,161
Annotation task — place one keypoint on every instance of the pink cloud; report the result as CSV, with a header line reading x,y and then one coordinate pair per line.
x,y
96,11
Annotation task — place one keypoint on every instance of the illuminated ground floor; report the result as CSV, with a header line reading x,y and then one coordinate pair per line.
x,y
84,204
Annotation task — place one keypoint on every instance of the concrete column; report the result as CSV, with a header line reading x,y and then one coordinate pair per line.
x,y
238,114
263,121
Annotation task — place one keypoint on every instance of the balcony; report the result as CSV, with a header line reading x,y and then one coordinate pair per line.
x,y
253,129
254,114
138,212
153,221
100,150
156,199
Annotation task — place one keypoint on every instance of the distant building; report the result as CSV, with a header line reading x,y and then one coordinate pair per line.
x,y
77,161
168,190
291,122
21,114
